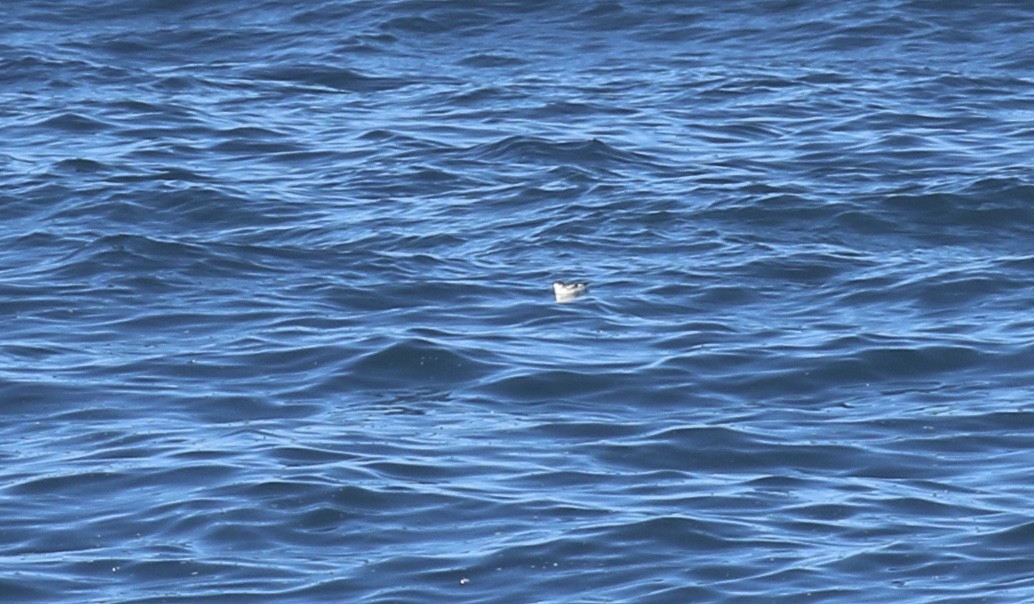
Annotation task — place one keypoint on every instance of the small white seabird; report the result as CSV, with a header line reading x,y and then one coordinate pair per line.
x,y
565,292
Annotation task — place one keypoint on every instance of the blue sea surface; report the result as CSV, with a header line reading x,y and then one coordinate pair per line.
x,y
278,326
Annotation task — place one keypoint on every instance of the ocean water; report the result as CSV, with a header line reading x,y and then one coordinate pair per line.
x,y
278,325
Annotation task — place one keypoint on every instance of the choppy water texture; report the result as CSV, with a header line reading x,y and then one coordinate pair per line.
x,y
278,327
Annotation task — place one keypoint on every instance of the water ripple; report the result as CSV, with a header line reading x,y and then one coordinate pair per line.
x,y
279,324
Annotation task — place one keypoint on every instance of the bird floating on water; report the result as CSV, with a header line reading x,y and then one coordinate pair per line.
x,y
565,292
